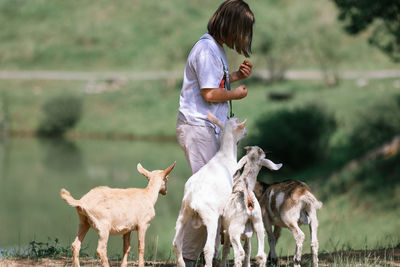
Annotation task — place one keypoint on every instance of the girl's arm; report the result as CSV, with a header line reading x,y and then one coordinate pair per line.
x,y
222,95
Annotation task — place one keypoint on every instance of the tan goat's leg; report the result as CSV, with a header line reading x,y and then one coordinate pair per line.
x,y
299,237
141,243
127,248
102,248
76,245
313,234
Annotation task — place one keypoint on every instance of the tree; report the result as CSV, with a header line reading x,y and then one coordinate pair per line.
x,y
382,16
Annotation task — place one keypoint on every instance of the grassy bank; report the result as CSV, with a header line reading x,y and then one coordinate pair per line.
x,y
149,108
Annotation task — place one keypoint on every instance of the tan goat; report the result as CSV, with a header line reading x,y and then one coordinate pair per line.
x,y
114,211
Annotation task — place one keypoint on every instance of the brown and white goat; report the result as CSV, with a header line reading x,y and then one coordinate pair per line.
x,y
242,212
115,211
289,204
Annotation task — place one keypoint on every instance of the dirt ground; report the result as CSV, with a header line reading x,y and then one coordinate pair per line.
x,y
381,257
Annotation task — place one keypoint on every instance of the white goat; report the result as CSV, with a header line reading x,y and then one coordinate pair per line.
x,y
114,211
207,191
242,212
289,204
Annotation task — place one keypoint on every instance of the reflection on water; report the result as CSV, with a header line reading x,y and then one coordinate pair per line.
x,y
33,172
61,155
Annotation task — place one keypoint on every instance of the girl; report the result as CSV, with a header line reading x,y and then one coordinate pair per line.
x,y
206,88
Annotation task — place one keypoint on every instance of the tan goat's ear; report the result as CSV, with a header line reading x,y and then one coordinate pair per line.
x,y
248,148
143,171
169,169
214,120
242,125
270,165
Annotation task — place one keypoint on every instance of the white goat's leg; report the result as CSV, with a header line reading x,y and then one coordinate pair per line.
x,y
247,252
299,237
258,227
76,245
211,222
238,251
127,248
313,234
141,242
102,247
178,239
225,249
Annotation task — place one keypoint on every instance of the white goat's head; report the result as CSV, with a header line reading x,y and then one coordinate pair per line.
x,y
257,155
157,174
233,125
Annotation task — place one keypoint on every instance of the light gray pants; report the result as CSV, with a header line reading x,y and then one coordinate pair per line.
x,y
200,144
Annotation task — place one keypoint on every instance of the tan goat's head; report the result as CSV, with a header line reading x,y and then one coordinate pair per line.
x,y
157,174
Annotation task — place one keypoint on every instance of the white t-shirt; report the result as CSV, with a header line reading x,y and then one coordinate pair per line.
x,y
204,69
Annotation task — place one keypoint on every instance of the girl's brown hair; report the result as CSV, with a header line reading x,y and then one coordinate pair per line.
x,y
232,24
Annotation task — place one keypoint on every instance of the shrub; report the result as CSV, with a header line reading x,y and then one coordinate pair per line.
x,y
61,113
295,137
376,125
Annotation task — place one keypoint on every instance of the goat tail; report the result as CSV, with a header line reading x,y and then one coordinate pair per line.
x,y
69,199
312,201
196,221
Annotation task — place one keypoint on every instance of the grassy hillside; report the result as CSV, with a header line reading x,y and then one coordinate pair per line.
x,y
142,35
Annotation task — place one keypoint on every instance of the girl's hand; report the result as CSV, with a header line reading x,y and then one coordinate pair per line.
x,y
245,69
240,92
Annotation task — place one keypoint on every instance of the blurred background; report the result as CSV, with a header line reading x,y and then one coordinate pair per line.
x,y
88,89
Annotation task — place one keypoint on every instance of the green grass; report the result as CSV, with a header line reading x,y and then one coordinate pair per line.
x,y
100,35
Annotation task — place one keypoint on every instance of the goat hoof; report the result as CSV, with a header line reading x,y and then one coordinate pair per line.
x,y
272,261
261,259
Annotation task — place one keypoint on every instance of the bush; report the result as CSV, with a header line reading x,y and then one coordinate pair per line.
x,y
61,113
297,137
376,125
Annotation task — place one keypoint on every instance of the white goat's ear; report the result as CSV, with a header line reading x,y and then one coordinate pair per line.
x,y
143,171
169,169
214,120
270,165
242,125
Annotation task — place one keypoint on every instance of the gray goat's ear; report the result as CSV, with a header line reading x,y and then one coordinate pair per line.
x,y
214,120
270,165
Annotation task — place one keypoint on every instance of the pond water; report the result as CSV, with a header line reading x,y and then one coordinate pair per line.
x,y
32,172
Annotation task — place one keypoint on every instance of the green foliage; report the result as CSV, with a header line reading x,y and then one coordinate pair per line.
x,y
382,16
297,137
279,43
49,249
376,125
61,113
